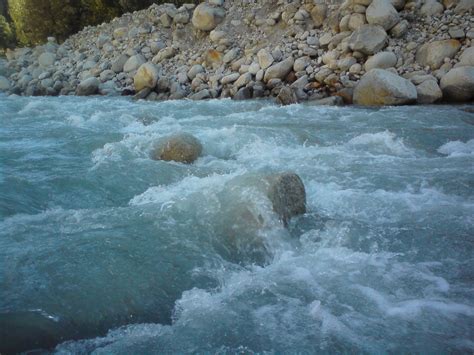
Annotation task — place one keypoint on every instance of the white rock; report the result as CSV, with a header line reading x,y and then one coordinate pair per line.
x,y
382,87
301,64
206,17
279,70
46,59
458,84
265,59
368,39
146,77
428,92
230,78
382,13
381,60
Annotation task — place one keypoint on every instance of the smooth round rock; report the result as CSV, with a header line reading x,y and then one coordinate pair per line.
x,y
181,147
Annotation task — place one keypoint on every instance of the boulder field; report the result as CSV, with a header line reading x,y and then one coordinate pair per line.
x,y
367,52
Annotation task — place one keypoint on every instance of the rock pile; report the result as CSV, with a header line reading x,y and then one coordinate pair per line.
x,y
297,50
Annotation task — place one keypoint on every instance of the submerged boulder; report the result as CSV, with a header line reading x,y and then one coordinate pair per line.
x,y
381,87
181,147
287,194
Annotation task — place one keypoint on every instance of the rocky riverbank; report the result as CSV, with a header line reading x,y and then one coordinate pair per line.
x,y
367,52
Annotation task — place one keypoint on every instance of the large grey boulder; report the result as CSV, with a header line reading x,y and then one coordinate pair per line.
x,y
382,13
368,39
87,87
287,194
433,54
428,92
146,77
181,147
206,17
279,70
381,60
381,87
4,84
458,84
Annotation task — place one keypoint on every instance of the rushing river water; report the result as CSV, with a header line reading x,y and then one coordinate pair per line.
x,y
104,250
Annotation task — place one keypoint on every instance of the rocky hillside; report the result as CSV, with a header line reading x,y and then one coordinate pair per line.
x,y
370,52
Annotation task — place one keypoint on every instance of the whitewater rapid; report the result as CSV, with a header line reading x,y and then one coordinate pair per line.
x,y
104,250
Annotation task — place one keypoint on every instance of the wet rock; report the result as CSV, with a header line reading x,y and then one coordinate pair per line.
x,y
381,87
382,13
458,84
88,87
287,193
244,93
368,39
433,54
428,92
206,17
328,101
146,77
287,96
181,147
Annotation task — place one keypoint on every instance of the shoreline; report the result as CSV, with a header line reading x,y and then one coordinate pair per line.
x,y
366,52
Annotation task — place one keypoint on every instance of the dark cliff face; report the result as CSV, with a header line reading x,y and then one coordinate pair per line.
x,y
34,20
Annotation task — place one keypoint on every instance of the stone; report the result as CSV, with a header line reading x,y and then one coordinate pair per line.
x,y
195,70
381,87
356,21
146,77
327,101
243,80
119,63
165,53
431,8
279,70
230,55
244,93
46,59
368,39
467,57
120,32
382,13
206,17
464,7
107,75
88,87
265,59
456,33
382,60
287,194
287,96
201,95
301,63
458,84
345,63
230,78
181,148
400,29
428,92
133,63
4,84
433,54
318,14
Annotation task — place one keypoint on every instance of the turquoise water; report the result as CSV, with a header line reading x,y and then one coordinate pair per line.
x,y
103,250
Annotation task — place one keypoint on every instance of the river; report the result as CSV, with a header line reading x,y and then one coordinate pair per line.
x,y
104,250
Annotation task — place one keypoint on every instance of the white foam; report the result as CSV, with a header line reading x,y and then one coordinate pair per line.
x,y
384,142
457,149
